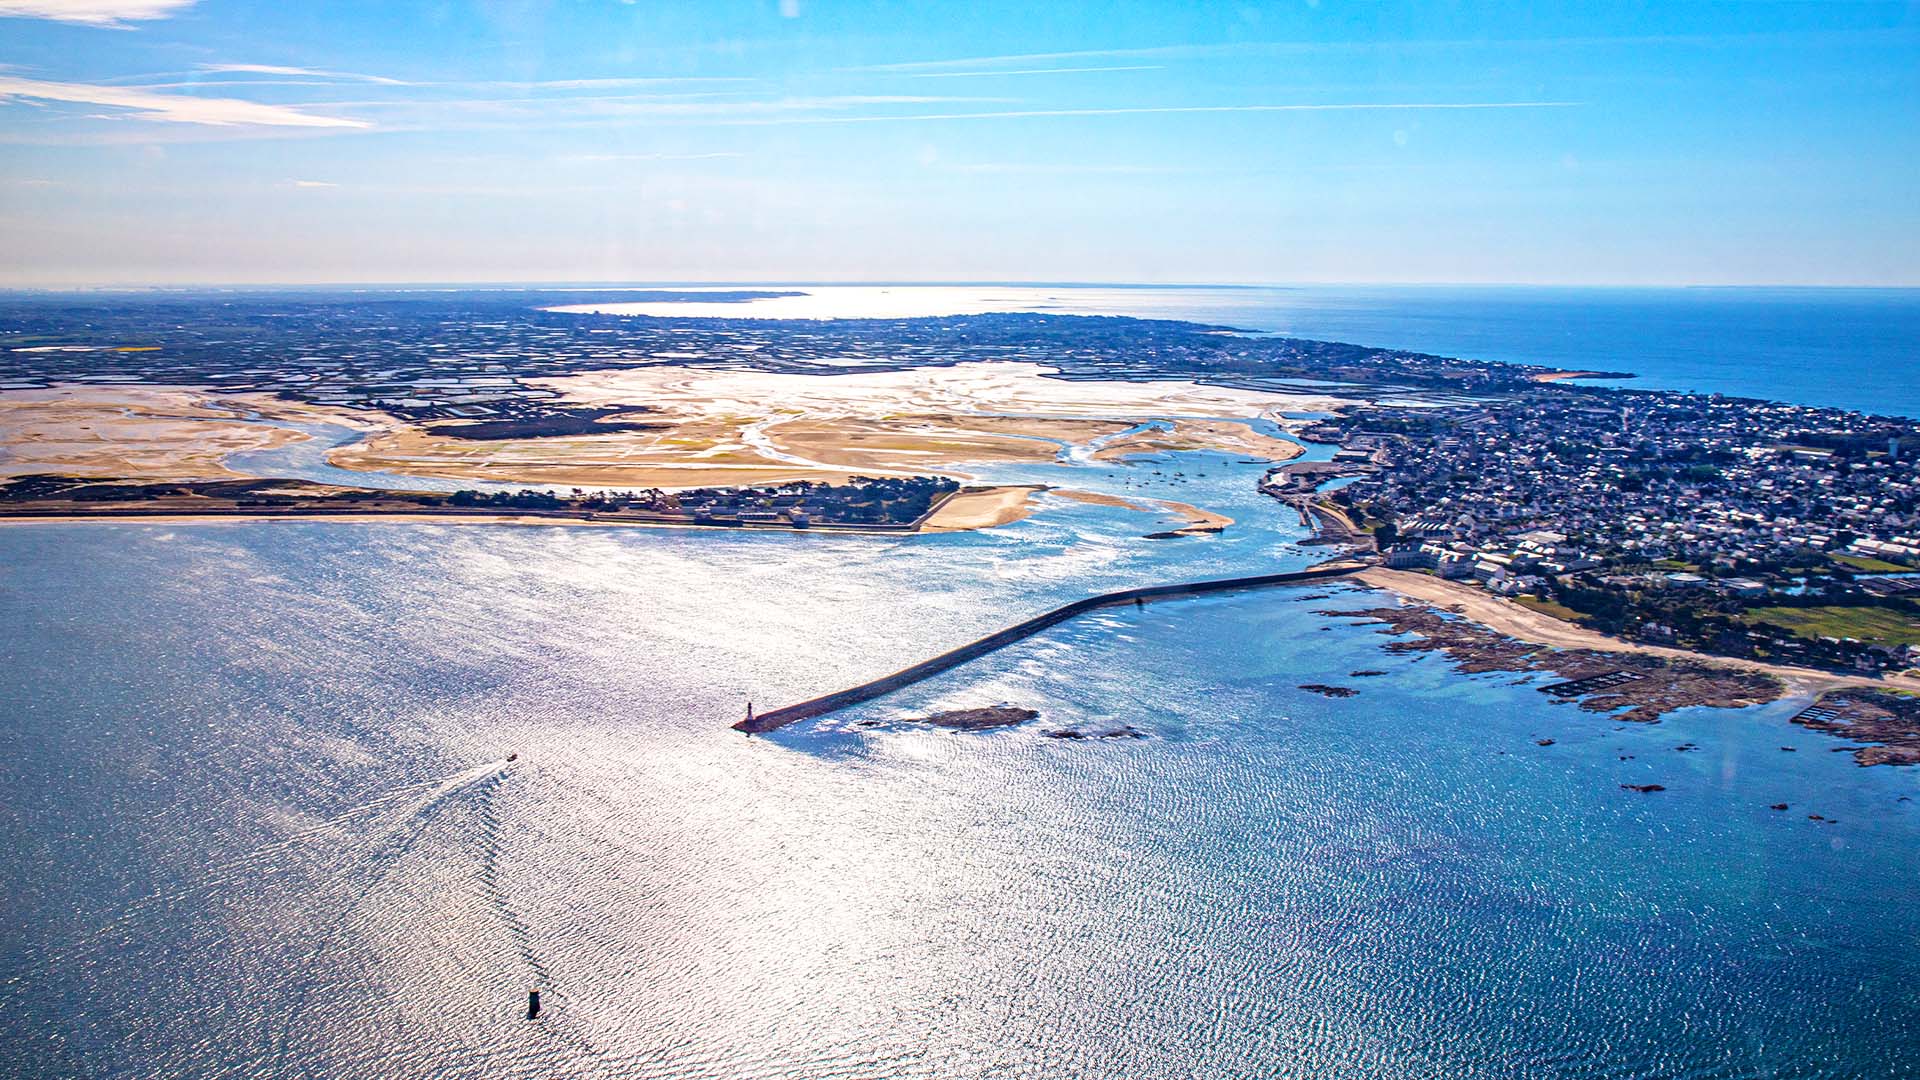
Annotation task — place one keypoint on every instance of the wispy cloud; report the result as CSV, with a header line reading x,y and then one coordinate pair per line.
x,y
312,184
598,158
603,107
298,72
987,64
613,83
1038,168
1028,71
172,108
1029,60
1144,110
117,14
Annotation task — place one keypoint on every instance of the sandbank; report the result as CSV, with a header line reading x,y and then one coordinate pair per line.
x,y
981,508
1197,520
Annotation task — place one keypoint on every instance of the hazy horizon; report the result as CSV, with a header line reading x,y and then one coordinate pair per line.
x,y
666,285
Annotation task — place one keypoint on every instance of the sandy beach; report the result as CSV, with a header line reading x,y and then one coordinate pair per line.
x,y
1526,624
982,508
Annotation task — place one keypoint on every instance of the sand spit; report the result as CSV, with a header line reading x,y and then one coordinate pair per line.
x,y
982,508
1217,435
1196,519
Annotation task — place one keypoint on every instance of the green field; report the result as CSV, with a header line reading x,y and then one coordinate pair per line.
x,y
1870,566
1549,607
1882,626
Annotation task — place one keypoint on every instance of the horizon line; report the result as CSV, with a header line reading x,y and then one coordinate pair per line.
x,y
635,284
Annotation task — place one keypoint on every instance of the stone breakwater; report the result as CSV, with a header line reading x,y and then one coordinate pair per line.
x,y
886,684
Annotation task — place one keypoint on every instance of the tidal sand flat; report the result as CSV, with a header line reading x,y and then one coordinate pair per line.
x,y
738,426
143,431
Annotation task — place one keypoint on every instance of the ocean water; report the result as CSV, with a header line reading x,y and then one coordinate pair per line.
x,y
260,821
1844,348
258,817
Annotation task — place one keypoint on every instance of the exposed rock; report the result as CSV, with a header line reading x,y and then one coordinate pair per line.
x,y
1644,787
1329,691
1869,716
1663,685
992,716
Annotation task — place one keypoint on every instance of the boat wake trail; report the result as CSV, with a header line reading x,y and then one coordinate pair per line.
x,y
381,827
496,896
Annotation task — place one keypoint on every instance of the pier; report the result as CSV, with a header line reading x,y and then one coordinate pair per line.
x,y
926,669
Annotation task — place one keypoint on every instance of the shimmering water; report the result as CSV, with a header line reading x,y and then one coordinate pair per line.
x,y
258,822
258,819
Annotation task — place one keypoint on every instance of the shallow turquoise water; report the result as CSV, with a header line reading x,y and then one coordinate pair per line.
x,y
258,822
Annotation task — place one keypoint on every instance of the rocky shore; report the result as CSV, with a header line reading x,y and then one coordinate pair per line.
x,y
1890,721
1658,687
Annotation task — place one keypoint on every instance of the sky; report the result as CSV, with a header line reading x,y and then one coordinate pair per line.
x,y
229,142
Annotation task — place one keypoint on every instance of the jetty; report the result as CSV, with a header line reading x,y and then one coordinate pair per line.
x,y
773,719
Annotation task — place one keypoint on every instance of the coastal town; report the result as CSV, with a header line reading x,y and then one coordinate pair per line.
x,y
1722,525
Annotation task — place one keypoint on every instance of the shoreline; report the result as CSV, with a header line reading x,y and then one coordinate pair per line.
x,y
981,508
1561,376
927,523
1525,624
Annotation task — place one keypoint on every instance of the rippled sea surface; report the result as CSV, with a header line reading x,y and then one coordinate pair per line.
x,y
257,820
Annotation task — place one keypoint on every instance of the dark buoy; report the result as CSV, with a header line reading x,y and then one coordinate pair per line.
x,y
533,1004
515,756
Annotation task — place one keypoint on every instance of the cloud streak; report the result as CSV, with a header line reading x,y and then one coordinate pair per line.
x,y
600,158
1028,71
115,14
1148,110
984,65
171,108
296,72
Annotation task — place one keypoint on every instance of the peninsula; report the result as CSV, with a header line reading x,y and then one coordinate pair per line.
x,y
1785,537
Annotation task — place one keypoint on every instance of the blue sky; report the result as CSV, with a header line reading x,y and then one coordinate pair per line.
x,y
173,141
